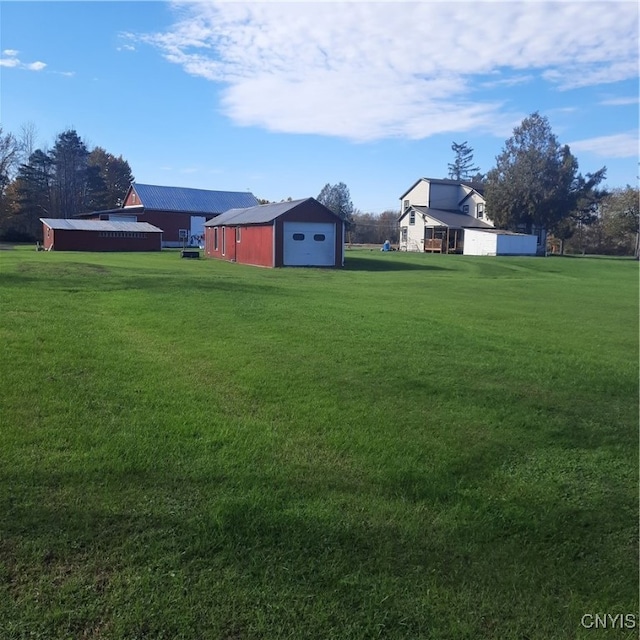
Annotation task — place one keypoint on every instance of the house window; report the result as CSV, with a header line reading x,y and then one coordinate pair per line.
x,y
406,205
215,238
412,217
224,241
403,234
465,208
480,209
237,234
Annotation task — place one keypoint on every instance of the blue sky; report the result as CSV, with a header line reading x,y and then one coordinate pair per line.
x,y
282,98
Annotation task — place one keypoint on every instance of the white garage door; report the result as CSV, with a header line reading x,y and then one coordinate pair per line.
x,y
309,244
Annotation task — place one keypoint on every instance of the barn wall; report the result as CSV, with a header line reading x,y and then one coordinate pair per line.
x,y
74,240
169,222
132,199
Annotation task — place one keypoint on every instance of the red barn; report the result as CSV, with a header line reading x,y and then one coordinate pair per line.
x,y
99,235
180,212
300,233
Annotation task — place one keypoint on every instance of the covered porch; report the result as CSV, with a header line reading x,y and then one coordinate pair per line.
x,y
443,239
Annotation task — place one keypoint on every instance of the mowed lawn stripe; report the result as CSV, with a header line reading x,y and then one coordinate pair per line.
x,y
412,447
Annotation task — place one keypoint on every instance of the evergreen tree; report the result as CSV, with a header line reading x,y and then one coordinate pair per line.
x,y
34,186
109,187
70,160
462,168
535,181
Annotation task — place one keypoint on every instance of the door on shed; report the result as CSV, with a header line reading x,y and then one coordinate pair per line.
x,y
309,244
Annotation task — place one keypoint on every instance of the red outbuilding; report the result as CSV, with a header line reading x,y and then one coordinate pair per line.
x,y
179,211
61,234
302,233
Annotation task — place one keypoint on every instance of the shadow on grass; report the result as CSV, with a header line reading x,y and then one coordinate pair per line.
x,y
176,543
388,262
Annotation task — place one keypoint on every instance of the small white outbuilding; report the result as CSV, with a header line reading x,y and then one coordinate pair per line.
x,y
498,242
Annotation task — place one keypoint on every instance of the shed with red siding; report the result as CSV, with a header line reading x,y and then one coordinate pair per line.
x,y
179,211
297,233
61,234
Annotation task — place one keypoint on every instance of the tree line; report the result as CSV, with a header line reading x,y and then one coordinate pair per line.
x,y
60,182
536,184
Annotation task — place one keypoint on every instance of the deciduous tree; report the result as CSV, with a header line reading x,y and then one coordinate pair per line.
x,y
9,157
337,198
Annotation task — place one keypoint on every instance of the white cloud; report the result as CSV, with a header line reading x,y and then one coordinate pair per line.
x,y
621,145
620,102
366,71
9,62
12,60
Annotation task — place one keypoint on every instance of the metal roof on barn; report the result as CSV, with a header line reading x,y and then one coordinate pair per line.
x,y
99,225
260,214
187,200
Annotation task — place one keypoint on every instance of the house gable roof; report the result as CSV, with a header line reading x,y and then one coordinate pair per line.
x,y
260,214
68,224
453,219
476,186
472,192
187,200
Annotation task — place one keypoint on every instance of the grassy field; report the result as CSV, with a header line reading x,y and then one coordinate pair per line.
x,y
413,447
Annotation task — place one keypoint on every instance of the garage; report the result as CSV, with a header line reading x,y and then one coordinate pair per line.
x,y
293,233
309,244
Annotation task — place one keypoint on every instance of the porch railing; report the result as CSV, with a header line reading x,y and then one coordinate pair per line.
x,y
433,244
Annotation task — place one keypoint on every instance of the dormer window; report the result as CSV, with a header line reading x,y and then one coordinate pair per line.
x,y
480,210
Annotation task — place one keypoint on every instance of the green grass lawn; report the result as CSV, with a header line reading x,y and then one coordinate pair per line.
x,y
416,446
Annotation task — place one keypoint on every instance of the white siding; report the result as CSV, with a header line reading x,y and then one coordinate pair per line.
x,y
520,245
485,243
479,243
418,196
114,217
415,233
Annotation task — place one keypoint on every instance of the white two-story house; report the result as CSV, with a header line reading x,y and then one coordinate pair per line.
x,y
434,214
449,216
